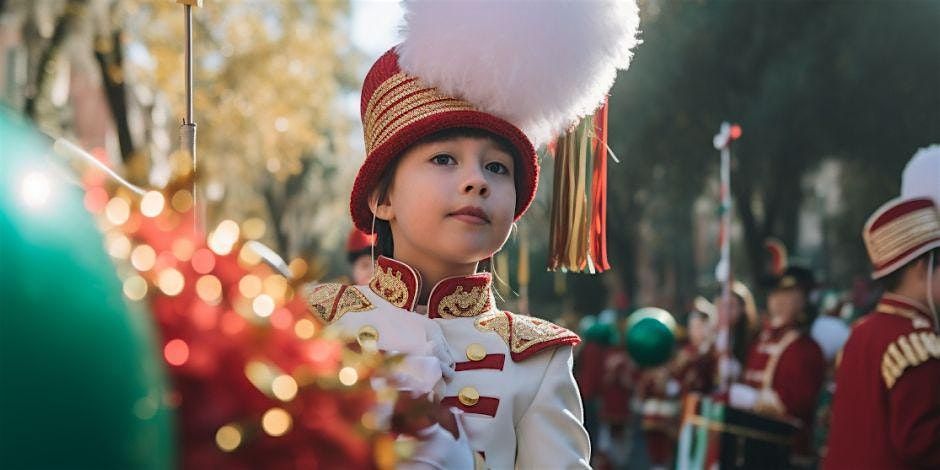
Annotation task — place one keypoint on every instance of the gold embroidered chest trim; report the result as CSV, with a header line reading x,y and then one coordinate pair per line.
x,y
322,298
908,351
388,284
522,332
464,304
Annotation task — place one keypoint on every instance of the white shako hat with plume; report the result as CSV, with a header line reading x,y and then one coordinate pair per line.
x,y
526,71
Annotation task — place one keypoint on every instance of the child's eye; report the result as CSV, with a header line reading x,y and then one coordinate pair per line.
x,y
443,159
497,168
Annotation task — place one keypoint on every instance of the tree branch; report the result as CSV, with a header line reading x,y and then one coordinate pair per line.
x,y
43,68
111,64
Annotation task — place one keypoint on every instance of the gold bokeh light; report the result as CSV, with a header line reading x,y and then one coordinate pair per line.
x,y
143,258
170,281
276,422
152,204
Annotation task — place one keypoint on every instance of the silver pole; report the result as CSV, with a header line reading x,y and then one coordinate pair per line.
x,y
188,128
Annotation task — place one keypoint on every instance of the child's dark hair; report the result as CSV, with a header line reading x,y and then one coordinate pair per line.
x,y
384,243
892,281
697,314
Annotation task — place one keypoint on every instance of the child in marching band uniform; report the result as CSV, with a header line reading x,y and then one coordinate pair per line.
x,y
785,366
450,166
886,407
359,255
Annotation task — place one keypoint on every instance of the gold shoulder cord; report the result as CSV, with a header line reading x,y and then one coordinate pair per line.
x,y
906,352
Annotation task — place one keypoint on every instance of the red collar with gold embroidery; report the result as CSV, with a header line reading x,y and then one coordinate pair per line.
x,y
452,297
899,305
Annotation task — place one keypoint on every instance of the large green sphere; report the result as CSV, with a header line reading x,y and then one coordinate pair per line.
x,y
82,383
651,336
604,334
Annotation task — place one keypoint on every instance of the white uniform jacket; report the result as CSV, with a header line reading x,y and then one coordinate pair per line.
x,y
512,376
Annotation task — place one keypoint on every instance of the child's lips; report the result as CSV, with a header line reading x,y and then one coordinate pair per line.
x,y
470,219
471,215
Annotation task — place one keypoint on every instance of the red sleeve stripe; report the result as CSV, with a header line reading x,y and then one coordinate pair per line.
x,y
484,406
491,361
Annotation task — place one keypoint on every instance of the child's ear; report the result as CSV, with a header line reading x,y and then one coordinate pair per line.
x,y
382,210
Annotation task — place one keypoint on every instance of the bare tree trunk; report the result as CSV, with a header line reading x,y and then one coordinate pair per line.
x,y
111,63
73,9
754,233
276,206
277,197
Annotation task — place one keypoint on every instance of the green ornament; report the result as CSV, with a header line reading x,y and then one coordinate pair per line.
x,y
604,334
651,336
83,383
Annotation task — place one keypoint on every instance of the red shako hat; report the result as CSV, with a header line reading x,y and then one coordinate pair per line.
x,y
900,231
521,73
398,110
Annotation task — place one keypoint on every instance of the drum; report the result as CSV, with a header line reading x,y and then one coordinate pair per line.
x,y
712,432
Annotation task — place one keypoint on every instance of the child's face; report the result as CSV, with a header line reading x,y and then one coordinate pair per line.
x,y
785,305
362,270
451,201
699,330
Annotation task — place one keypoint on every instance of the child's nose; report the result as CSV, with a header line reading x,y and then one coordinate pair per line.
x,y
476,183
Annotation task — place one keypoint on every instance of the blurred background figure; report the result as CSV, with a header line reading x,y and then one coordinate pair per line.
x,y
743,326
785,367
830,330
359,254
599,334
695,364
615,439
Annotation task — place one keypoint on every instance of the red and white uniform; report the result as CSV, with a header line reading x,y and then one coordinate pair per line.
x,y
886,409
787,368
511,374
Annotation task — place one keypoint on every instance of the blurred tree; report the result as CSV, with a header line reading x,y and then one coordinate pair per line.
x,y
272,134
807,80
272,83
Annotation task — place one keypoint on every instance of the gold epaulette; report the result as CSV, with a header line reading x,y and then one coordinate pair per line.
x,y
525,335
333,300
906,352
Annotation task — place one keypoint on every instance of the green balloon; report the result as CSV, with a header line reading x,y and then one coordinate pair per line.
x,y
651,336
83,384
601,333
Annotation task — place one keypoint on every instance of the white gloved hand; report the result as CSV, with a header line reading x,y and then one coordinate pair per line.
x,y
768,403
420,375
436,448
428,368
437,347
742,396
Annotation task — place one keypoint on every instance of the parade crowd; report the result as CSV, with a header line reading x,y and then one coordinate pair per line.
x,y
825,379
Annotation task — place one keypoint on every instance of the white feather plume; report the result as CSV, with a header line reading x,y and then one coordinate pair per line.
x,y
541,65
921,177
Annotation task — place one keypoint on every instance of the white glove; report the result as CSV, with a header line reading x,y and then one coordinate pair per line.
x,y
742,396
437,449
427,369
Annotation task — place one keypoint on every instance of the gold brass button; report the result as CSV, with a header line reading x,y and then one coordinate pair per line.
x,y
476,352
469,396
367,335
